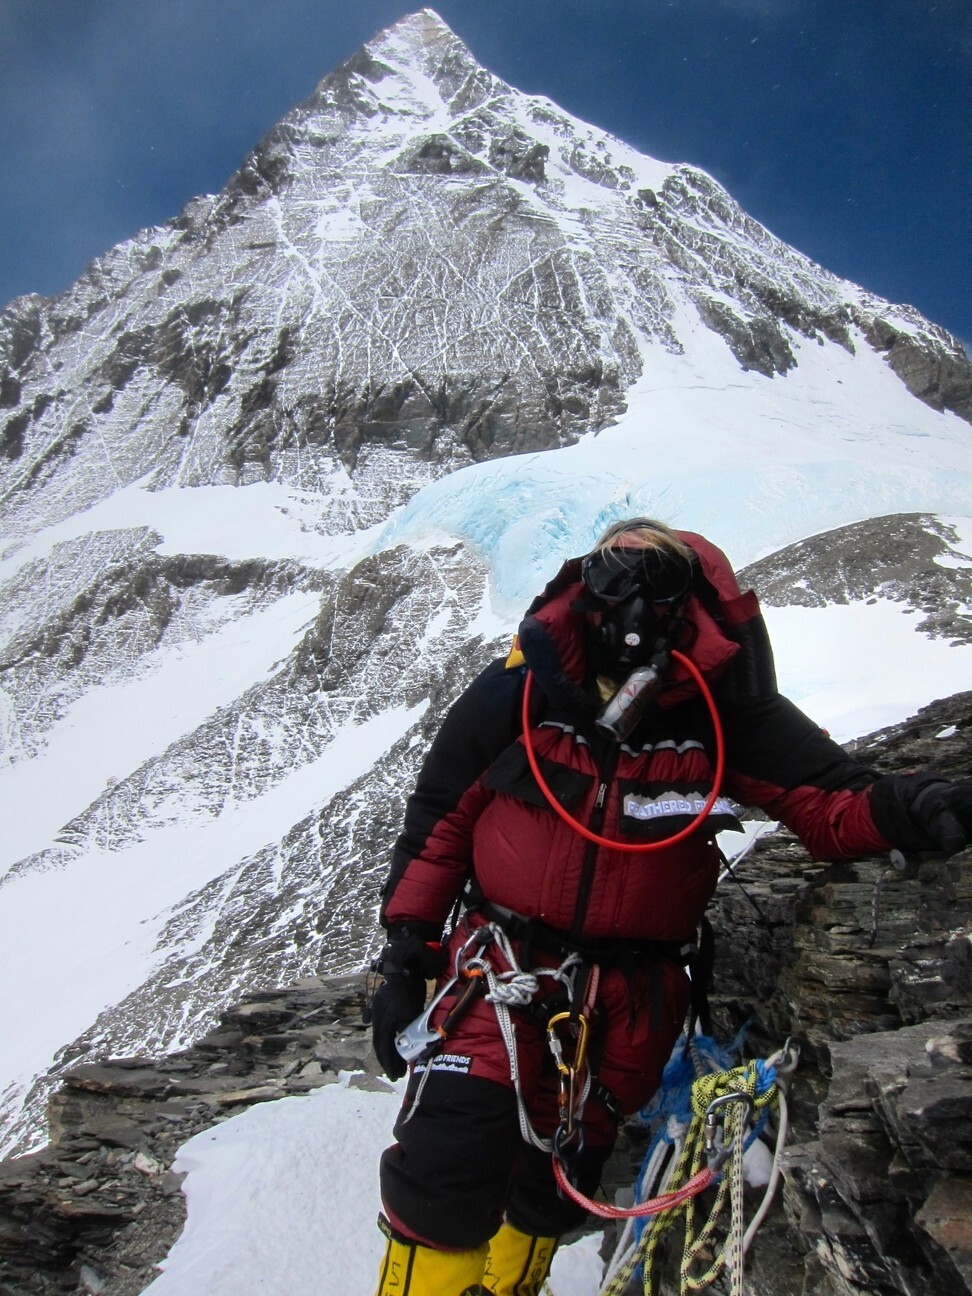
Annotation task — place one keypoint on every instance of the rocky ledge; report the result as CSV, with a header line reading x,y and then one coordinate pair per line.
x,y
868,965
96,1209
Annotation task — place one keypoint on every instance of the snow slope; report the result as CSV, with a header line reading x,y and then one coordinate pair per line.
x,y
284,1198
754,463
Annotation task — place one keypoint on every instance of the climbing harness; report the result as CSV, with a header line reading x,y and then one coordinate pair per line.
x,y
729,1111
514,988
634,847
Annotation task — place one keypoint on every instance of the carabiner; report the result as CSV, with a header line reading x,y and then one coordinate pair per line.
x,y
562,1137
580,1044
477,940
715,1157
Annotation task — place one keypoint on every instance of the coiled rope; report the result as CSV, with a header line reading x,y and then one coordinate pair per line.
x,y
755,1089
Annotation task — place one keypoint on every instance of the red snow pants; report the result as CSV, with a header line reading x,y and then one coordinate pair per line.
x,y
460,1164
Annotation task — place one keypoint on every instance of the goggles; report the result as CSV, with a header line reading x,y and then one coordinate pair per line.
x,y
613,575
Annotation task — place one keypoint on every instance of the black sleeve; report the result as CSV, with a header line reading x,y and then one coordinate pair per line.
x,y
771,741
779,760
480,724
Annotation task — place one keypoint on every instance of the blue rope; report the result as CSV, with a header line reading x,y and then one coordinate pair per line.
x,y
674,1097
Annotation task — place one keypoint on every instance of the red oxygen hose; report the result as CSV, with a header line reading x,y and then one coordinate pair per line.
x,y
568,818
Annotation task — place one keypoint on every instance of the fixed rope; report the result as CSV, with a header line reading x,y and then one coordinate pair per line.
x,y
738,1101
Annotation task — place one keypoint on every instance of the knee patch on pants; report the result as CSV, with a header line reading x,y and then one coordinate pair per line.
x,y
446,1179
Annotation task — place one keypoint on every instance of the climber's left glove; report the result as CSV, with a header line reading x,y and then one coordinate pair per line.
x,y
923,811
406,962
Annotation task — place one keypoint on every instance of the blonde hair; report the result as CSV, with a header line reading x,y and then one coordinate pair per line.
x,y
643,533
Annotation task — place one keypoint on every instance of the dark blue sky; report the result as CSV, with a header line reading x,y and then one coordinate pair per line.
x,y
845,126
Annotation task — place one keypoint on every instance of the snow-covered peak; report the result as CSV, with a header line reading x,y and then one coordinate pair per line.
x,y
422,44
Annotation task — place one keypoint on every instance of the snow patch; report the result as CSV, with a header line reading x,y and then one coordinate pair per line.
x,y
86,934
856,668
284,1197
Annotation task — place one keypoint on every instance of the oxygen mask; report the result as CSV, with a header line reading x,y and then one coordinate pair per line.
x,y
636,593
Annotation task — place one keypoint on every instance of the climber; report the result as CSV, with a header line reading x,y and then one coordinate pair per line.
x,y
569,804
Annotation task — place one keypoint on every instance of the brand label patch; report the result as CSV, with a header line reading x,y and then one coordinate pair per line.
x,y
446,1062
670,804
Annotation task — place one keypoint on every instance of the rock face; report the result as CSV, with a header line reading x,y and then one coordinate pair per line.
x,y
97,1209
909,559
869,966
866,964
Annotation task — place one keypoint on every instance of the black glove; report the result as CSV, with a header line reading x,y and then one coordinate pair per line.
x,y
944,810
406,963
396,1003
923,811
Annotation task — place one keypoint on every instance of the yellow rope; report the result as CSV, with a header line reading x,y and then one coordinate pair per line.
x,y
705,1090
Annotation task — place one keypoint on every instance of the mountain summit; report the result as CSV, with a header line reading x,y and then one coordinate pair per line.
x,y
269,500
416,257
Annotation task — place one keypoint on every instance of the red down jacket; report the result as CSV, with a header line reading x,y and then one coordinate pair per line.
x,y
478,813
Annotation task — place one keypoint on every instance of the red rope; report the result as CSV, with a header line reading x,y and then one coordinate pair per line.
x,y
653,1206
568,818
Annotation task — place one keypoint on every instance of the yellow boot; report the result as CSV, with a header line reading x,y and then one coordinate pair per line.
x,y
517,1263
408,1269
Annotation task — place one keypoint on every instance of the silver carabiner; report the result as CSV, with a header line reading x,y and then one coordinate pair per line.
x,y
715,1156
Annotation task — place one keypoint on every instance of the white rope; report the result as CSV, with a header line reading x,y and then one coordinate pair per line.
x,y
512,989
737,1183
418,1095
738,1241
516,988
652,1186
777,1167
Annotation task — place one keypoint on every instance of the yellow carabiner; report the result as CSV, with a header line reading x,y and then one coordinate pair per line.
x,y
580,1044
